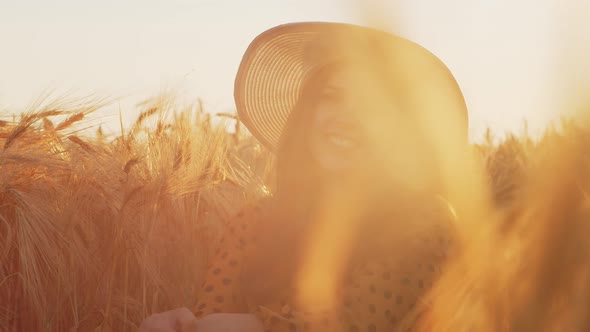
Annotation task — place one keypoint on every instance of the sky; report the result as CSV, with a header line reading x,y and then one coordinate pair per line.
x,y
508,56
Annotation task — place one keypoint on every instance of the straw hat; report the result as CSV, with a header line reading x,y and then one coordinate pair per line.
x,y
276,64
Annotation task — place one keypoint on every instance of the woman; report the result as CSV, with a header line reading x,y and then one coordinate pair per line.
x,y
357,230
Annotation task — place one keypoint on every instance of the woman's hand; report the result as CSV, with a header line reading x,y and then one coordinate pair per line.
x,y
177,320
229,323
182,320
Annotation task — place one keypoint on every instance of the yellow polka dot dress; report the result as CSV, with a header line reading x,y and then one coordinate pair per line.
x,y
378,294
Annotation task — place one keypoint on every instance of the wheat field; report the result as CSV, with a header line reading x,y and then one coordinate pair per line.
x,y
100,231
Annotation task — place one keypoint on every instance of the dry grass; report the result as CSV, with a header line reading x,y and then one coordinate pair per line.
x,y
98,232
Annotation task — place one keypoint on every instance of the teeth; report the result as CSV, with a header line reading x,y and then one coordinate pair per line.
x,y
341,141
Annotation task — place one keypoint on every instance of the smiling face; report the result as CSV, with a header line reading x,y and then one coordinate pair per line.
x,y
340,138
353,130
360,130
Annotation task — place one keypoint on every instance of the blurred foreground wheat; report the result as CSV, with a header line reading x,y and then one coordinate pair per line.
x,y
99,232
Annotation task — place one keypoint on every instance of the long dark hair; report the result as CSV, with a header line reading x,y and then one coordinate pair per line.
x,y
286,216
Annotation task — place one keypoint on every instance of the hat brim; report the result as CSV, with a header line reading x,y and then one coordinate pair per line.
x,y
276,64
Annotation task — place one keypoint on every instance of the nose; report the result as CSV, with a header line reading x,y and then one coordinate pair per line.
x,y
343,124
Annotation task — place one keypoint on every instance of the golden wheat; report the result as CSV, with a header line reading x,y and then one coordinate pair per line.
x,y
99,232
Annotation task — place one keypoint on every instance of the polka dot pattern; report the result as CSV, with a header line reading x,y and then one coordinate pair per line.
x,y
377,296
220,291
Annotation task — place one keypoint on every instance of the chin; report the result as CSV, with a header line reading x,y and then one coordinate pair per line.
x,y
339,165
340,170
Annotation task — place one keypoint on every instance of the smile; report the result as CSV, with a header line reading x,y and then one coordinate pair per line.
x,y
342,141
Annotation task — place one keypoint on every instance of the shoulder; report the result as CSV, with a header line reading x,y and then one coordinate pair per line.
x,y
429,233
429,217
239,232
247,221
438,239
439,218
439,212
